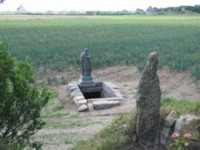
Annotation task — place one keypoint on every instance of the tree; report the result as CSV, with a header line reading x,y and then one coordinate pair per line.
x,y
21,100
21,9
139,11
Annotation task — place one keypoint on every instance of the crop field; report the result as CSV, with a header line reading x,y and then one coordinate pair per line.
x,y
56,41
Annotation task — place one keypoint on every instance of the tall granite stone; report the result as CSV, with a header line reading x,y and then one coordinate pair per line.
x,y
86,68
148,105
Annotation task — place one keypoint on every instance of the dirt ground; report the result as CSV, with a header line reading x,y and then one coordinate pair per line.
x,y
67,126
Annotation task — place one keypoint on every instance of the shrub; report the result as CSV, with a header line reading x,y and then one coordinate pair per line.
x,y
21,100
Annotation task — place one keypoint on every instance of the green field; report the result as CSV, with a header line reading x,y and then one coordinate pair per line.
x,y
56,41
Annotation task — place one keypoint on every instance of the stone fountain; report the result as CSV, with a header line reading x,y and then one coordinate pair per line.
x,y
89,94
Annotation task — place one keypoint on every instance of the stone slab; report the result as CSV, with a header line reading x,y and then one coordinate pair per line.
x,y
83,108
81,102
105,99
76,93
184,122
90,107
105,104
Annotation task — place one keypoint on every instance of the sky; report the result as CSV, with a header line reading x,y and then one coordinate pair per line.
x,y
82,5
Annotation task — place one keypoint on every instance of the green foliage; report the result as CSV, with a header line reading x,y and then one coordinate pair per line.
x,y
56,42
5,145
21,100
179,144
116,136
181,107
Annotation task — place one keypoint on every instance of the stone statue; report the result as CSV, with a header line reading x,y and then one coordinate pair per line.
x,y
148,105
86,69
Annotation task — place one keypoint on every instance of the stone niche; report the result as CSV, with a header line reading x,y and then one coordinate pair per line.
x,y
99,95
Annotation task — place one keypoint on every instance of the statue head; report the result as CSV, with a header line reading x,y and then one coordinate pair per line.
x,y
153,60
86,51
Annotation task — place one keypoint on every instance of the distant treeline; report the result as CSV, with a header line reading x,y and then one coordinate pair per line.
x,y
175,10
149,11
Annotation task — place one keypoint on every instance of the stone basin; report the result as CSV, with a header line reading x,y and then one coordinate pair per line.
x,y
99,95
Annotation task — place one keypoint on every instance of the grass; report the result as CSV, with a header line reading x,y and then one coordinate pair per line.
x,y
55,42
56,117
116,136
120,133
73,139
54,109
63,127
181,107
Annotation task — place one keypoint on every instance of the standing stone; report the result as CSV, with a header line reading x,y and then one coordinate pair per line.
x,y
86,69
148,105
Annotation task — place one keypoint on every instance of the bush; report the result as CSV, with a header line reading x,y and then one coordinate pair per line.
x,y
21,100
